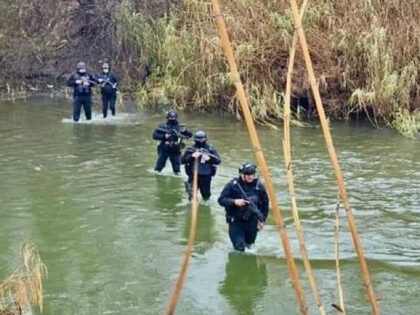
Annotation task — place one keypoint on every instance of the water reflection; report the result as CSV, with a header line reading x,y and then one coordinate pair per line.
x,y
206,234
245,282
82,140
168,198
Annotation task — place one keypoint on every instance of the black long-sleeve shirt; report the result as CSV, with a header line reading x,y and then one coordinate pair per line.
x,y
109,83
79,89
207,168
172,144
254,191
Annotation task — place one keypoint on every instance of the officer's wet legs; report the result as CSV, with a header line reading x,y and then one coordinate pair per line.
x,y
105,101
161,161
189,187
112,101
77,106
204,185
87,106
237,236
176,162
251,231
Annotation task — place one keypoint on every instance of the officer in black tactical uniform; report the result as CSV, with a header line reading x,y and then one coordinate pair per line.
x,y
208,159
108,82
246,203
82,83
170,136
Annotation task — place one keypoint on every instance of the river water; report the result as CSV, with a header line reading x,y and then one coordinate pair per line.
x,y
113,234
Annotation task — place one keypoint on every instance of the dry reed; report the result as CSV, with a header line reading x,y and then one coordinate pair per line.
x,y
23,288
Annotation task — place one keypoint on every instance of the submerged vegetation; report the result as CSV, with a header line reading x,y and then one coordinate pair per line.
x,y
365,53
23,288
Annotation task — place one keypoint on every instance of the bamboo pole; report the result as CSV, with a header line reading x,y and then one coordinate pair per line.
x,y
337,258
240,93
176,293
289,169
334,160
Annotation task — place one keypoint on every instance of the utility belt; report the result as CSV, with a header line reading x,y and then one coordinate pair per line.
x,y
203,169
170,147
82,91
108,90
239,218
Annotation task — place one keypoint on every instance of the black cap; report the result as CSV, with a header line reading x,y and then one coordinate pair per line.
x,y
200,136
81,65
172,114
248,168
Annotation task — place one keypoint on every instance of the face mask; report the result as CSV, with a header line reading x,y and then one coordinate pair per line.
x,y
199,144
82,71
105,70
172,121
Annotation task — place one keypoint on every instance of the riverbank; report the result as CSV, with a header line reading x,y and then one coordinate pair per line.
x,y
169,53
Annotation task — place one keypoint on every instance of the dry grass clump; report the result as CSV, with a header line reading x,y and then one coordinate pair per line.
x,y
376,46
23,288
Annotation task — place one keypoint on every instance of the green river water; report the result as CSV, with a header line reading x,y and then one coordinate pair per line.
x,y
113,234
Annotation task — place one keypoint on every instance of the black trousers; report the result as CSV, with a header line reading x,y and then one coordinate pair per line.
x,y
86,102
108,101
203,183
243,233
163,157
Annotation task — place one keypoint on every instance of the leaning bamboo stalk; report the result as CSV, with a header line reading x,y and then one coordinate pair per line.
x,y
240,93
337,258
289,170
334,160
176,293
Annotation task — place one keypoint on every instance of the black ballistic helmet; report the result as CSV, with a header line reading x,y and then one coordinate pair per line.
x,y
248,168
172,115
200,136
81,65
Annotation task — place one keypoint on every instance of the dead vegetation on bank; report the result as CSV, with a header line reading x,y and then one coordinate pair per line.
x,y
365,53
41,41
23,288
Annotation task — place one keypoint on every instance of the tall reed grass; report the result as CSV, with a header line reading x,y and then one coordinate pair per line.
x,y
365,54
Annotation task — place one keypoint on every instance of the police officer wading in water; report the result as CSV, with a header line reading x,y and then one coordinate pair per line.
x,y
170,136
108,82
82,83
246,203
207,157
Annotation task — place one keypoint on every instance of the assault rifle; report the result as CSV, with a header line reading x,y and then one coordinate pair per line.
x,y
251,208
84,79
174,133
107,81
176,137
203,152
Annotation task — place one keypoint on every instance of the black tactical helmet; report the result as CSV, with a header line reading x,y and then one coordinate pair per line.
x,y
172,115
200,136
248,168
81,65
105,65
